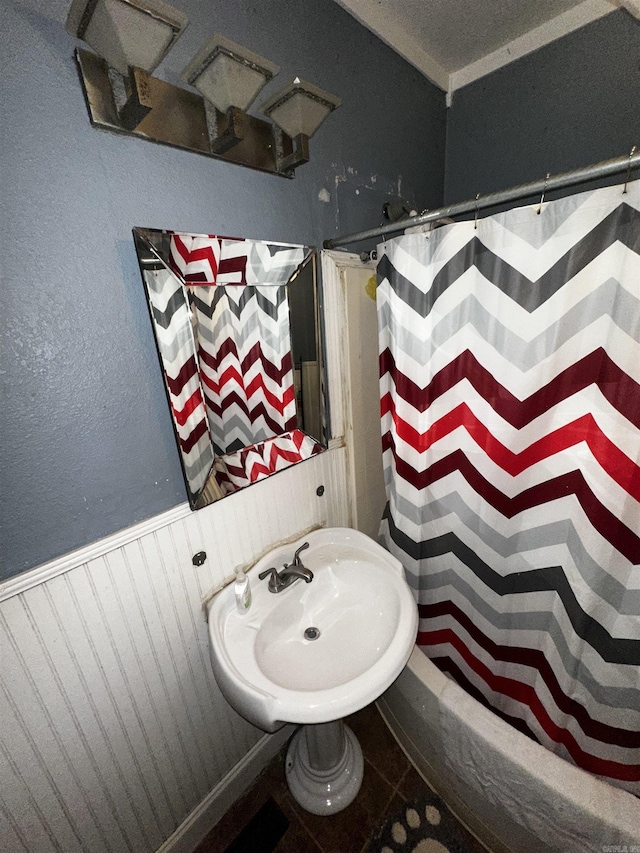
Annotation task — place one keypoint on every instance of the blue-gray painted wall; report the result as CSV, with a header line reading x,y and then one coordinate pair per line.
x,y
572,103
87,443
87,446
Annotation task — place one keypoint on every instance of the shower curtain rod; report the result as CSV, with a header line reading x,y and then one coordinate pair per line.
x,y
551,182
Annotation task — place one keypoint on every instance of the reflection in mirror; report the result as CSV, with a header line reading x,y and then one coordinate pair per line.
x,y
236,327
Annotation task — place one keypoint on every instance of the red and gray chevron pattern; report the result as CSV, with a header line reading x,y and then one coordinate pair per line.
x,y
246,366
510,398
225,351
237,470
242,333
174,336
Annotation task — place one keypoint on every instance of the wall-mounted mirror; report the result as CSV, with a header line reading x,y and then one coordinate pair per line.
x,y
236,325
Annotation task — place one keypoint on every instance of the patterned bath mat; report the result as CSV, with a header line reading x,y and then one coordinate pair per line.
x,y
424,825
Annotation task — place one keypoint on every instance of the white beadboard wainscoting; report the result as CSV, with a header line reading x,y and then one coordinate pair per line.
x,y
114,735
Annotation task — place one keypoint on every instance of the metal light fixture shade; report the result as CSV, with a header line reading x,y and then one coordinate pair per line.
x,y
130,37
127,32
227,74
300,108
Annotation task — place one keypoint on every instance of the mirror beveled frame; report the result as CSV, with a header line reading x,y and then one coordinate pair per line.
x,y
184,335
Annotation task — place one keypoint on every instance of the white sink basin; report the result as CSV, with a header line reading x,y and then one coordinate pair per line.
x,y
367,620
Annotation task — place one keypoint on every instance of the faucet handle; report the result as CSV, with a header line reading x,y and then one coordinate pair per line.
x,y
296,556
275,584
272,573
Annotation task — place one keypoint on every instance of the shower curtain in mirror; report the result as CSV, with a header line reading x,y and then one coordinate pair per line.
x,y
238,295
174,335
510,399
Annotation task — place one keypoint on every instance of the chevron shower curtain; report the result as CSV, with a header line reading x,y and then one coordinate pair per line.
x,y
246,364
238,295
510,400
174,336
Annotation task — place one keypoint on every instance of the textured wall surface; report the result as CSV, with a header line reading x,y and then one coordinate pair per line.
x,y
87,443
572,103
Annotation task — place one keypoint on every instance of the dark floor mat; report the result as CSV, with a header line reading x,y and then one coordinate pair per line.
x,y
263,832
423,826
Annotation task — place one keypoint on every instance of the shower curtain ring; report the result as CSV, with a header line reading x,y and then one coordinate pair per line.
x,y
631,153
475,221
544,189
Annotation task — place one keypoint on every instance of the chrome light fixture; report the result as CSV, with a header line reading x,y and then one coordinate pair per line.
x,y
131,37
229,77
298,111
127,32
300,108
228,74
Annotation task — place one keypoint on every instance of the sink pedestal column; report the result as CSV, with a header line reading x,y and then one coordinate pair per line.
x,y
324,767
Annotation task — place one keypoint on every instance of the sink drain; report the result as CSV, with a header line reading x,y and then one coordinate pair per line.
x,y
312,633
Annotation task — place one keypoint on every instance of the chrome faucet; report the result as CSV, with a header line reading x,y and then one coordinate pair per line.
x,y
279,580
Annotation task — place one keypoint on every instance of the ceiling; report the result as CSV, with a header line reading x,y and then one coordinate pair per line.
x,y
454,42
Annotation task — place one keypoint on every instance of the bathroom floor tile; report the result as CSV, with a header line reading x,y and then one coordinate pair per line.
x,y
412,784
297,839
263,832
389,781
349,829
271,783
379,746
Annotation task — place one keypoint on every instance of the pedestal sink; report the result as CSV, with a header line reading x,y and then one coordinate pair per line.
x,y
316,652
